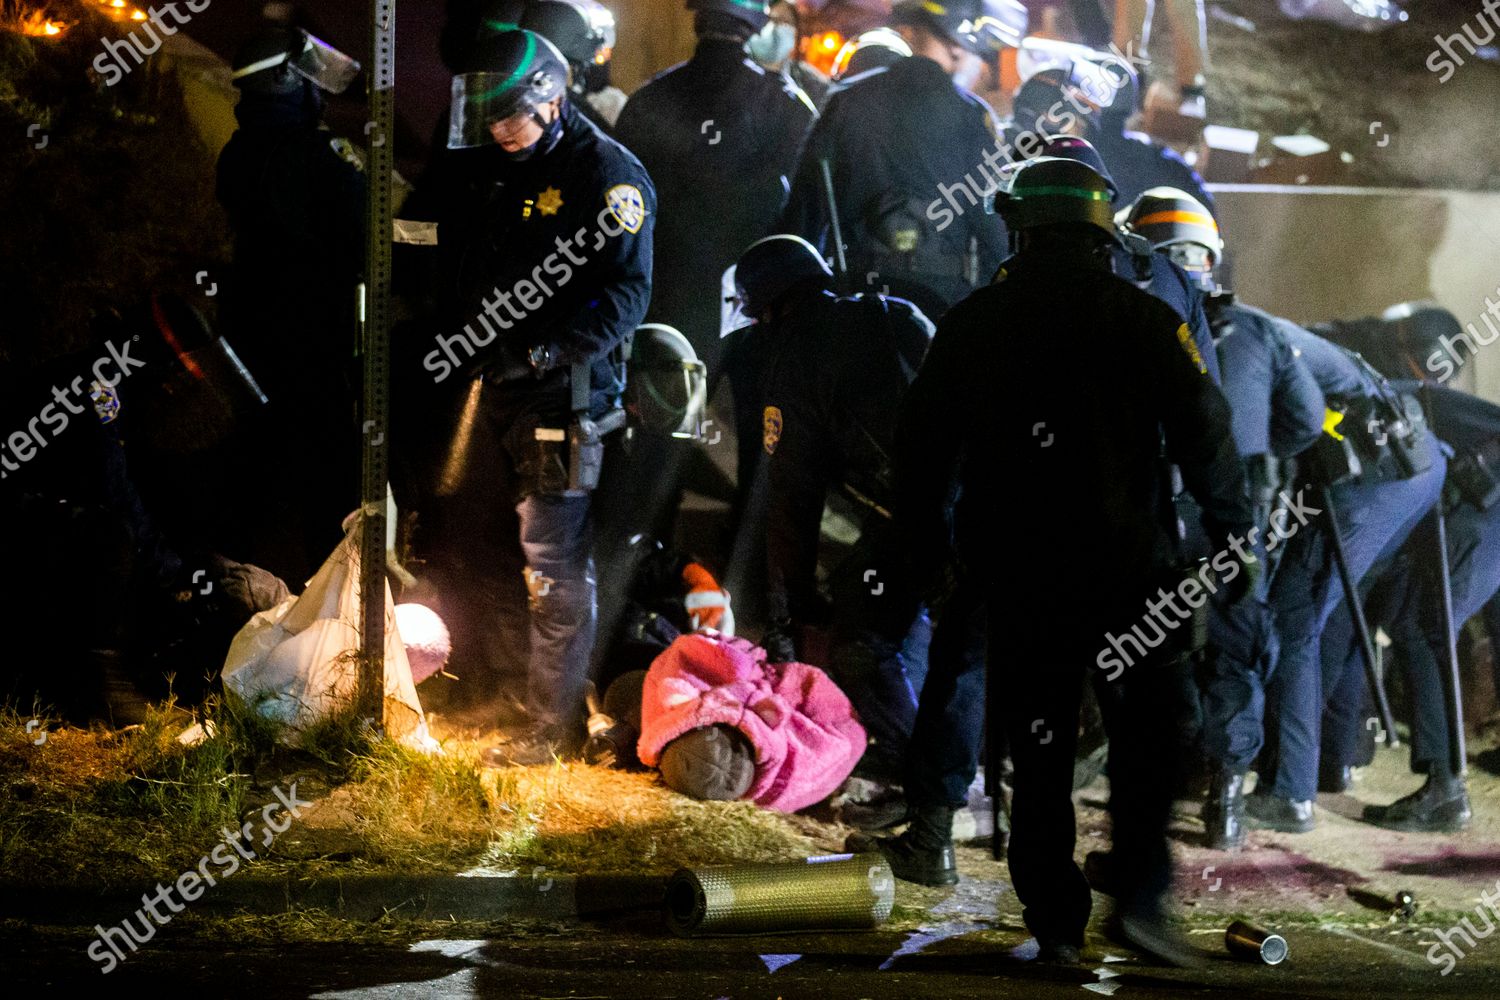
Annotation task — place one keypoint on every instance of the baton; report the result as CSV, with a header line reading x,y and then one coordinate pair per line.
x,y
1455,704
1361,626
839,262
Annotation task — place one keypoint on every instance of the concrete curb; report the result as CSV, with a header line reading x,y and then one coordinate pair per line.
x,y
536,896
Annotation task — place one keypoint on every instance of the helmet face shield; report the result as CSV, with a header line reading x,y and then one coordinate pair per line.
x,y
324,65
667,390
479,101
520,71
311,58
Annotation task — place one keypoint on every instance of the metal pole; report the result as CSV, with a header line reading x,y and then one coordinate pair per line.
x,y
841,265
1361,626
376,319
1455,706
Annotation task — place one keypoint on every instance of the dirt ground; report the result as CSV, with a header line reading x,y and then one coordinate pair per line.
x,y
1340,873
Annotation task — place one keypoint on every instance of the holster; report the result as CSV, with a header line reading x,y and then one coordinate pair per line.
x,y
586,435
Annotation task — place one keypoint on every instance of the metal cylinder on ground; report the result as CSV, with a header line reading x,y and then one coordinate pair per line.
x,y
836,892
1256,944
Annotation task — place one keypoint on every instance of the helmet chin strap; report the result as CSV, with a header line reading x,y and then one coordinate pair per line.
x,y
552,133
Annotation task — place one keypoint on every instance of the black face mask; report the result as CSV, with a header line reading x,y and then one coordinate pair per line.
x,y
551,134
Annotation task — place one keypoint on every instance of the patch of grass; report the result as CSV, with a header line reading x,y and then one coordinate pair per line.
x,y
98,806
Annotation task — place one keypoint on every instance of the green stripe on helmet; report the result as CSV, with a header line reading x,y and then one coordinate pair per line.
x,y
516,75
1066,192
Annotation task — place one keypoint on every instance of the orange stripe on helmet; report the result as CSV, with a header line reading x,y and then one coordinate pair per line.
x,y
1191,218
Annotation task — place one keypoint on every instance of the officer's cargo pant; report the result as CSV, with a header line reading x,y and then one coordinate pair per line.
x,y
1410,608
1375,518
1039,660
879,648
556,541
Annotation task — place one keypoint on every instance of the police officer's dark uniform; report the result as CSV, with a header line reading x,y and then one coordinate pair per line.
x,y
1054,98
894,141
1398,478
831,371
1065,569
1405,600
542,267
295,197
719,135
1277,413
1134,259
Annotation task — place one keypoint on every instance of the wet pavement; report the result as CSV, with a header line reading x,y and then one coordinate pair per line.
x,y
936,961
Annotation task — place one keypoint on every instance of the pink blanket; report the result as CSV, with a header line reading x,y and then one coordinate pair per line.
x,y
803,728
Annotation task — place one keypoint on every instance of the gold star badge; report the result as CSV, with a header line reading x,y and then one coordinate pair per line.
x,y
549,201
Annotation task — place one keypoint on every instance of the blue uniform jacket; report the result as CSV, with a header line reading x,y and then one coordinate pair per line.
x,y
1276,402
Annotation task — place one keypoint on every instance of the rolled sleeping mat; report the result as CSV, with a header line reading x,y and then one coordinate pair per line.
x,y
834,892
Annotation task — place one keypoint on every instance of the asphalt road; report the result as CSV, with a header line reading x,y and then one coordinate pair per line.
x,y
642,962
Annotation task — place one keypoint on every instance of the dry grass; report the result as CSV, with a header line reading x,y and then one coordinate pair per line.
x,y
99,807
420,813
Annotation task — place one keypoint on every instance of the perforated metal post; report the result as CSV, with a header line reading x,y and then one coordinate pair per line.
x,y
375,351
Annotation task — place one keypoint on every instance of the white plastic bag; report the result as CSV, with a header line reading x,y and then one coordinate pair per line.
x,y
297,662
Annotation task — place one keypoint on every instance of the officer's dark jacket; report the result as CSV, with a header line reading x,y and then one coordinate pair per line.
x,y
834,370
1137,164
564,236
1275,400
1060,474
896,140
719,135
1339,374
1156,274
297,210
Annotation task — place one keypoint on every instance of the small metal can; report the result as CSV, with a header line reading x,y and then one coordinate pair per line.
x,y
1247,941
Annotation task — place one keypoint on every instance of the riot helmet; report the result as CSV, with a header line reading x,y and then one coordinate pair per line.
x,y
773,267
512,75
666,392
277,61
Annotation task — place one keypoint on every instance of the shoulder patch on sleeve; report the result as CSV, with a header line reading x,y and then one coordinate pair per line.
x,y
1185,338
627,205
771,426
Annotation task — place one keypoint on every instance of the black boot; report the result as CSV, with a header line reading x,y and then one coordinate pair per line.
x,y
1271,812
1441,805
1224,811
1335,778
923,854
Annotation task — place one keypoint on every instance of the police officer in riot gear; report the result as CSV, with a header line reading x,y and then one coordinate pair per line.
x,y
1093,100
1099,444
542,267
879,48
893,143
584,32
1405,594
1276,413
295,197
719,135
1382,469
1136,263
829,370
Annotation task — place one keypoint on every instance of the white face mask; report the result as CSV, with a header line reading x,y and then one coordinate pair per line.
x,y
772,44
969,72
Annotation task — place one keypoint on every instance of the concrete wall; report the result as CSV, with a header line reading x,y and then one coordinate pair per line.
x,y
1313,254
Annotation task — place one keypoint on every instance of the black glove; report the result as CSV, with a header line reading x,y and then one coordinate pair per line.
x,y
508,364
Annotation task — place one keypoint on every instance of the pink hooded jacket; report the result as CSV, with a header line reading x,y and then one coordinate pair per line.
x,y
803,728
